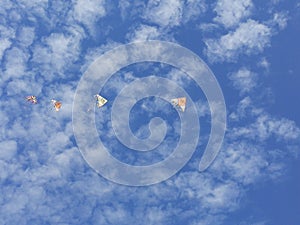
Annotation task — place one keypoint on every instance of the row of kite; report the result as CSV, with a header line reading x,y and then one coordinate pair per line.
x,y
56,104
101,101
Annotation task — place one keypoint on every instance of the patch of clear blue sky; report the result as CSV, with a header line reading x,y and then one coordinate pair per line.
x,y
284,76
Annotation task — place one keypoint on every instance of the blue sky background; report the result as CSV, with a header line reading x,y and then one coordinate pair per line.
x,y
252,48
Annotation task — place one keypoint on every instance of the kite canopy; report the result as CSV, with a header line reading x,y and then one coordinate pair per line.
x,y
32,99
56,105
179,102
100,101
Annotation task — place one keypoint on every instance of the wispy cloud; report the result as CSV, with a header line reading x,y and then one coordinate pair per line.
x,y
250,37
168,14
243,80
231,13
87,12
144,32
164,13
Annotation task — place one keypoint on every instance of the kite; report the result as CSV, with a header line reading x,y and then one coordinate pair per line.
x,y
100,100
32,99
179,102
56,105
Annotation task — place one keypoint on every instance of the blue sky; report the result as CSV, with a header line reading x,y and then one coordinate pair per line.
x,y
250,46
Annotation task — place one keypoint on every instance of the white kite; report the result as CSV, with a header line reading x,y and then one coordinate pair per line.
x,y
179,102
32,99
56,105
100,100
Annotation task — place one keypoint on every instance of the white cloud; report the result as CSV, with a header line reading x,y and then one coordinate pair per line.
x,y
6,35
33,3
62,48
193,9
26,36
231,12
143,33
21,86
4,44
249,37
8,149
266,126
88,12
243,162
275,1
244,108
247,156
146,32
131,9
208,27
6,5
93,53
164,13
173,13
155,215
243,80
15,63
36,7
251,220
280,19
179,77
207,191
14,15
264,63
56,53
58,141
224,194
124,6
202,108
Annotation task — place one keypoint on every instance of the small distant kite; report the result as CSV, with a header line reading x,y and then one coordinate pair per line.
x,y
32,99
56,105
179,102
100,100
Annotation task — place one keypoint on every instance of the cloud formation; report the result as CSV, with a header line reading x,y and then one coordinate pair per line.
x,y
248,38
44,49
231,12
